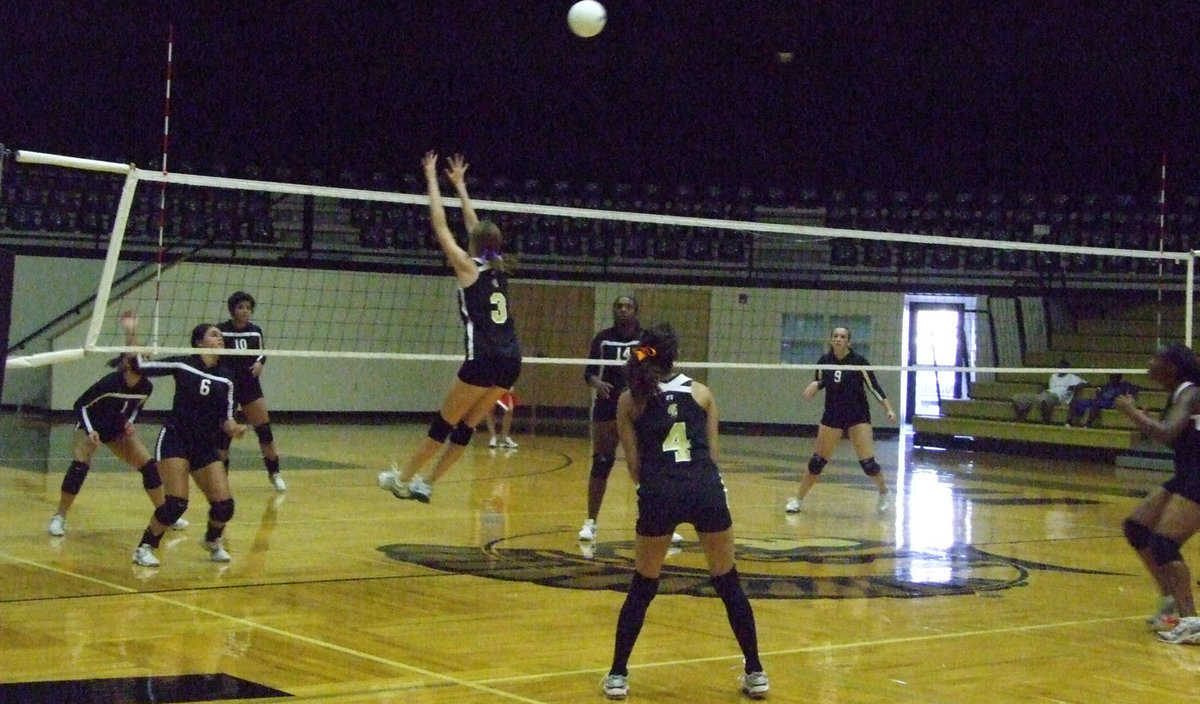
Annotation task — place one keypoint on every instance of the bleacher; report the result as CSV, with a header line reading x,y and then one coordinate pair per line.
x,y
1124,339
41,205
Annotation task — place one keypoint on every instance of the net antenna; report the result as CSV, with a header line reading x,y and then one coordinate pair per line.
x,y
162,191
1162,235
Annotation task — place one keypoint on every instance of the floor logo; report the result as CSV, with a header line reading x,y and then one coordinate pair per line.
x,y
774,568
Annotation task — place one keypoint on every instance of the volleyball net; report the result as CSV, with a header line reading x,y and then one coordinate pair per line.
x,y
357,304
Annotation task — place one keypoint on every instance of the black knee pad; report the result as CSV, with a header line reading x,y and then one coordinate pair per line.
x,y
728,585
870,466
816,464
264,434
602,465
1137,535
1163,550
171,510
439,429
76,473
150,476
461,435
642,589
221,511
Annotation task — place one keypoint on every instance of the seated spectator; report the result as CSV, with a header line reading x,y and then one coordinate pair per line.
x,y
1106,396
1060,389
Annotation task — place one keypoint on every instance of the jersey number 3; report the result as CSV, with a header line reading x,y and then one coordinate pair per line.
x,y
678,443
499,308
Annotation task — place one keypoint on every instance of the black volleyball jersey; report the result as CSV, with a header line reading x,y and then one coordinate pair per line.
x,y
110,403
846,390
247,338
203,395
487,321
1187,444
672,438
612,344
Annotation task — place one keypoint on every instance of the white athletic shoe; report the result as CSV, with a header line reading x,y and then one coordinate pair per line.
x,y
420,489
58,525
793,505
144,556
216,551
180,524
588,532
276,480
390,481
493,443
884,502
509,443
676,539
755,685
616,686
1186,633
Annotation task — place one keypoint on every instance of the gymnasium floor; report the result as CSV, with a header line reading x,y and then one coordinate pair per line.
x,y
994,579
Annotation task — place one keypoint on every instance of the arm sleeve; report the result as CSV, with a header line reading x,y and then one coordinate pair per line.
x,y
157,367
81,405
262,343
873,385
593,353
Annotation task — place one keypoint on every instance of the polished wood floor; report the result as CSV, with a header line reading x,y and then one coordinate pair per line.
x,y
994,579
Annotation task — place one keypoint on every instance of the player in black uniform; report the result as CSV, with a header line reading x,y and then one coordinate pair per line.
x,y
493,355
106,412
1170,515
607,382
846,413
667,424
190,441
241,334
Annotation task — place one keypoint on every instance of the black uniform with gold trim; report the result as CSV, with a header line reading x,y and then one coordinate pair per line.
x,y
679,481
493,354
845,390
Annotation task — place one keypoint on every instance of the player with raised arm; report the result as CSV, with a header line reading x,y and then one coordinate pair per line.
x,y
493,355
106,412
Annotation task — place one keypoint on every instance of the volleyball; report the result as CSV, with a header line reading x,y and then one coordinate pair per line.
x,y
586,18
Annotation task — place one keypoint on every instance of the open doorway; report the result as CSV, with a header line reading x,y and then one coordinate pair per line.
x,y
939,334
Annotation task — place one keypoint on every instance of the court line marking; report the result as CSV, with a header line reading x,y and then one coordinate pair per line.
x,y
484,685
479,686
821,648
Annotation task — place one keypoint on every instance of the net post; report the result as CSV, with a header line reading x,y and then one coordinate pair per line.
x,y
115,242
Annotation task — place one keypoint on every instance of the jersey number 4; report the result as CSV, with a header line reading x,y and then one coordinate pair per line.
x,y
678,443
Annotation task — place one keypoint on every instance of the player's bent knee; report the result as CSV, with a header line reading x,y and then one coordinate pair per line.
x,y
602,464
461,434
1137,535
150,477
221,511
171,510
76,473
265,437
1163,550
870,467
439,429
643,589
816,464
